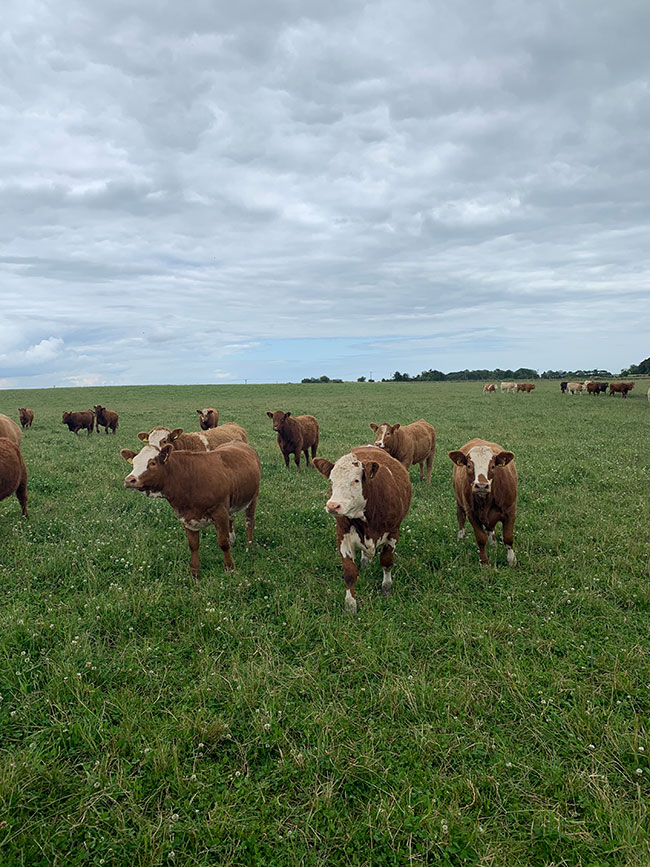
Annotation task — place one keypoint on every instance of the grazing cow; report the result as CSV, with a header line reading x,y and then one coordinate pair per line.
x,y
563,386
9,429
295,434
106,418
413,444
26,417
621,388
202,488
508,387
488,388
77,421
13,474
525,386
202,441
370,496
485,483
575,387
208,417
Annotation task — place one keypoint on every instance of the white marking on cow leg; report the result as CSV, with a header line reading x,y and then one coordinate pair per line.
x,y
364,559
461,534
232,536
512,560
350,602
492,539
387,583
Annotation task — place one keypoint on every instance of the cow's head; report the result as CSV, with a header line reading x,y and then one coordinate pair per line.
x,y
348,479
481,463
279,417
385,435
206,417
148,467
66,416
159,436
97,409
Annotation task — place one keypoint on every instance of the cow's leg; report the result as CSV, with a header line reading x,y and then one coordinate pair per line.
x,y
350,574
306,454
231,531
193,542
222,526
250,520
508,538
429,467
21,493
421,466
491,540
296,457
285,455
461,516
481,539
313,450
386,560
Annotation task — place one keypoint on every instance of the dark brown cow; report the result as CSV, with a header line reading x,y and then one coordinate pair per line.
x,y
208,417
596,387
9,429
26,417
202,488
621,388
13,473
77,421
201,441
563,386
525,386
370,496
106,418
295,434
414,443
485,483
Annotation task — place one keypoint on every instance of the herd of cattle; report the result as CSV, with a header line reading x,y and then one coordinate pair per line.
x,y
588,385
210,475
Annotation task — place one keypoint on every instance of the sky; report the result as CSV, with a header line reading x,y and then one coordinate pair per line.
x,y
214,192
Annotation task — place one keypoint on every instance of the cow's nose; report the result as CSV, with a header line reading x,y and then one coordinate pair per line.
x,y
481,486
129,481
332,508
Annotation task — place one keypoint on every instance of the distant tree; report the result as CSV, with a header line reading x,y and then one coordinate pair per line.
x,y
640,369
361,379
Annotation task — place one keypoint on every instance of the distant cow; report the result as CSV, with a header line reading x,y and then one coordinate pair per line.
x,y
621,388
202,488
489,388
9,429
77,421
649,395
563,386
575,387
26,417
525,386
208,417
13,474
202,441
595,387
106,418
414,443
485,484
508,387
370,495
296,434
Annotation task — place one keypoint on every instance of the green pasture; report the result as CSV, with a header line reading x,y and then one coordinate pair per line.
x,y
480,716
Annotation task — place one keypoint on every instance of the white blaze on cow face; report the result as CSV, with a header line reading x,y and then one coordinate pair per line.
x,y
157,436
381,435
481,456
141,462
347,488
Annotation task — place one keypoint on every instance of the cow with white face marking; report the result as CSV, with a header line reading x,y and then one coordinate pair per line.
x,y
202,488
485,484
370,496
208,417
413,443
201,441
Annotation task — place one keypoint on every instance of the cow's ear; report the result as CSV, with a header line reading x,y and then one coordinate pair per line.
x,y
371,469
502,459
270,414
287,414
373,426
165,452
323,466
458,458
143,437
128,455
396,427
199,411
174,435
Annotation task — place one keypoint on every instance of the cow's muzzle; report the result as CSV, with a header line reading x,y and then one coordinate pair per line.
x,y
131,482
333,508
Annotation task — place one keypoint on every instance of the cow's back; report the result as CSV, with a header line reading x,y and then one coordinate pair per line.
x,y
308,429
202,481
10,430
423,440
226,433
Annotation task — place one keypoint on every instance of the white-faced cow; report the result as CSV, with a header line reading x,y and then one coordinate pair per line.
x,y
208,417
370,496
414,443
202,488
296,434
488,388
485,484
201,441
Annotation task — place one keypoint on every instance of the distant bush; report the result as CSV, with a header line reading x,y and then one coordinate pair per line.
x,y
320,379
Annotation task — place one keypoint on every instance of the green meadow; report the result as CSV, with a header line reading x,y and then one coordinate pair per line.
x,y
480,716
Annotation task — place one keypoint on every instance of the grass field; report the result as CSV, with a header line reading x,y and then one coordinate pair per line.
x,y
480,716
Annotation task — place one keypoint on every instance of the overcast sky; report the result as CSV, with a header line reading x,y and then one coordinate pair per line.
x,y
206,191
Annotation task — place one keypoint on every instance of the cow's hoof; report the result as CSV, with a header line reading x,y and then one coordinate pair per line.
x,y
350,603
461,534
512,559
386,590
492,539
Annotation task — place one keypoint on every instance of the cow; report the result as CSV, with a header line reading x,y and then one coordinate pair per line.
x,y
595,387
525,386
296,434
485,484
9,429
413,444
370,494
508,387
106,418
208,417
26,417
488,388
201,441
13,473
575,387
621,388
77,421
563,386
202,488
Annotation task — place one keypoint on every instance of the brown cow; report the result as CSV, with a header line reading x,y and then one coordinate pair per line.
x,y
413,444
9,429
595,387
525,386
208,417
202,441
621,388
370,496
13,473
26,417
485,483
202,488
77,421
489,387
106,418
295,434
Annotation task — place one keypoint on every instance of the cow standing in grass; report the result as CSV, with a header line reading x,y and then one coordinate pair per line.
x,y
296,434
208,417
9,429
369,497
621,388
414,443
106,418
26,417
76,421
13,473
201,441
